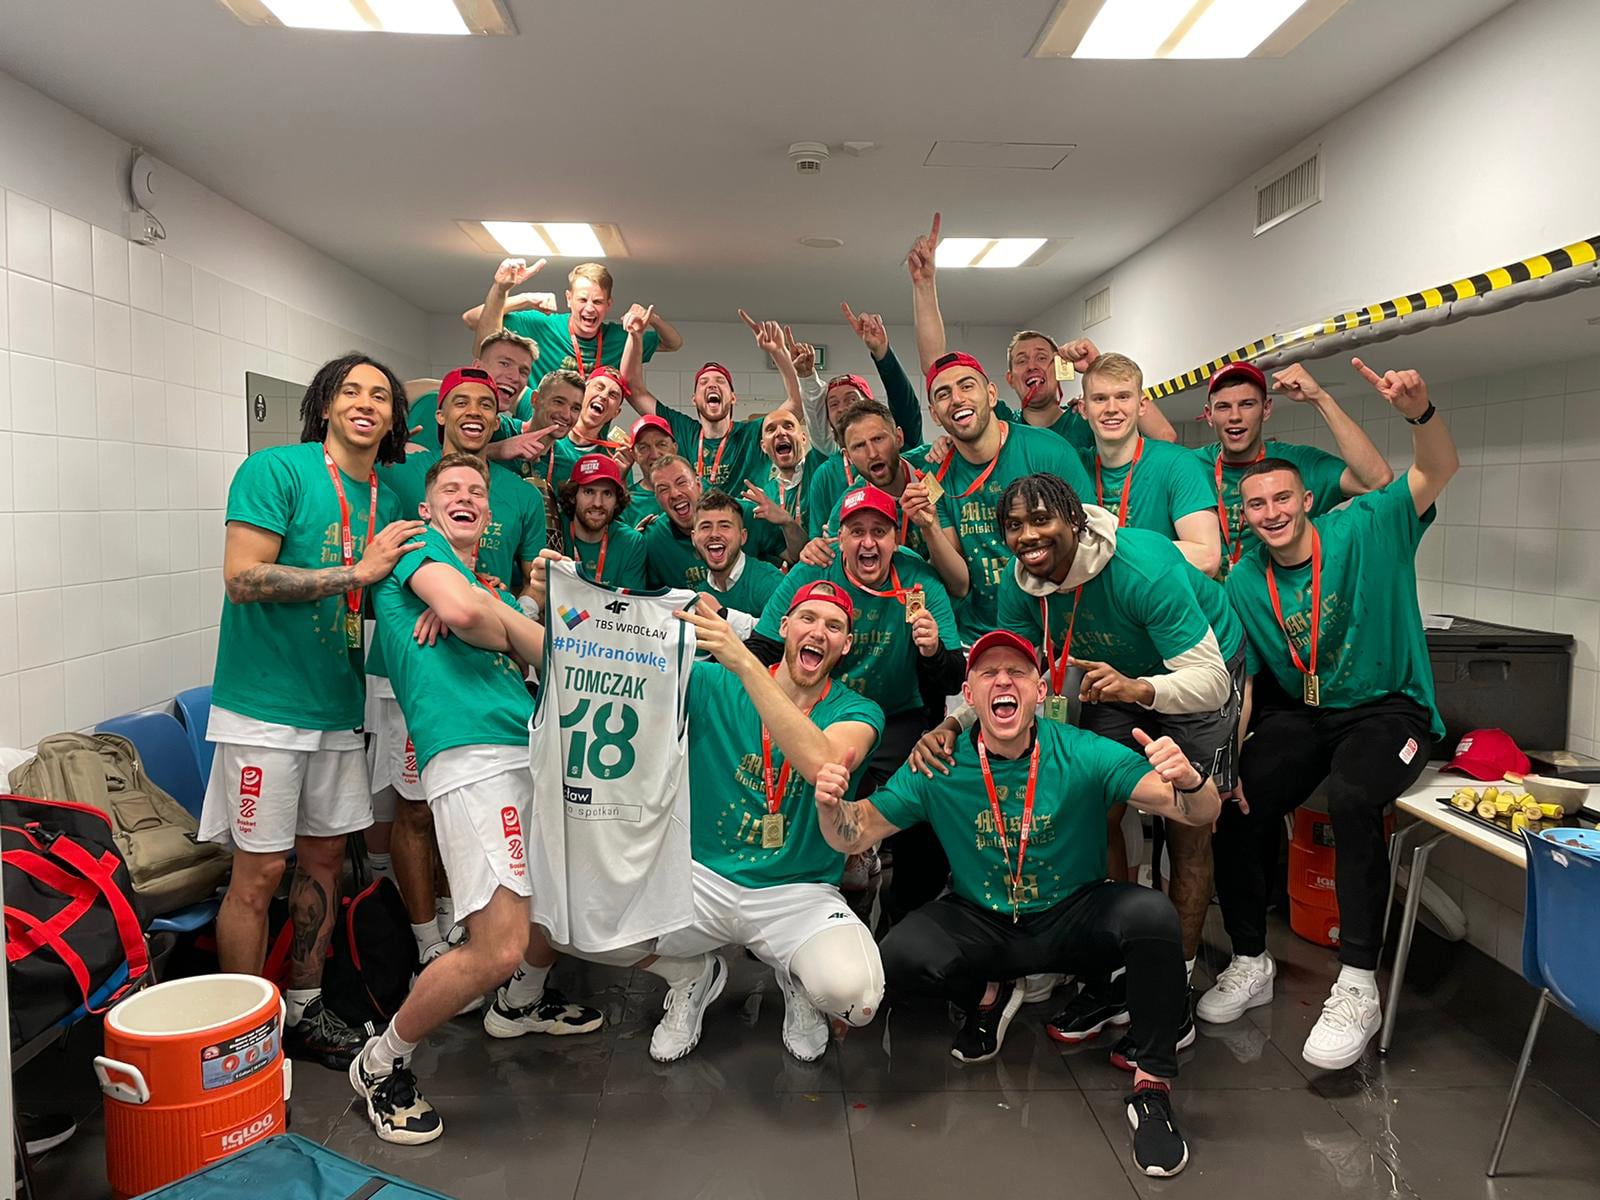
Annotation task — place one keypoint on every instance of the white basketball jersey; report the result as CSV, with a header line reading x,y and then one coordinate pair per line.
x,y
609,835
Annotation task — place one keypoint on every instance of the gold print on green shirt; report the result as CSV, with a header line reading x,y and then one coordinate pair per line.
x,y
1043,832
977,516
1335,613
332,632
493,537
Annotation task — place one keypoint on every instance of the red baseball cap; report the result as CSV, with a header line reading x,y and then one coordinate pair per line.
x,y
868,497
822,589
651,422
611,374
945,361
465,375
1488,754
994,640
717,367
1239,372
598,468
855,381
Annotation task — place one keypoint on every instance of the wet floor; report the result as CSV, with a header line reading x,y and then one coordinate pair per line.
x,y
889,1114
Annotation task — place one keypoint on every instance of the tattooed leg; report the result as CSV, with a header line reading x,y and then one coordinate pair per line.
x,y
312,907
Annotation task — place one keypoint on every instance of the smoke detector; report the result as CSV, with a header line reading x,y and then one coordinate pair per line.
x,y
808,157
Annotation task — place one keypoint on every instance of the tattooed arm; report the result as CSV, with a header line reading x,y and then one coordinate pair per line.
x,y
253,574
849,826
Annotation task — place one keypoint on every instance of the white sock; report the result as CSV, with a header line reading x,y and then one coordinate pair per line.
x,y
1355,977
1255,960
296,1000
426,934
381,864
446,908
384,1049
526,985
678,972
1188,969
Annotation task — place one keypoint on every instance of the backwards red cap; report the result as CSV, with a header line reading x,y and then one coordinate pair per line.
x,y
1239,372
855,381
717,367
868,498
946,361
821,589
598,468
652,421
611,374
465,375
994,640
1488,754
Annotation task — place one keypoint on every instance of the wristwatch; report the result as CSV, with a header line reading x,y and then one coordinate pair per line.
x,y
1427,415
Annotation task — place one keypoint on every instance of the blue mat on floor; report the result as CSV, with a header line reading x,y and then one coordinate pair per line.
x,y
289,1167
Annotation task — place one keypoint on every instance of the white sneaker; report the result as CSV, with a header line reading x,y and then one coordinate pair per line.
x,y
678,1031
805,1032
1350,1016
1244,984
1040,987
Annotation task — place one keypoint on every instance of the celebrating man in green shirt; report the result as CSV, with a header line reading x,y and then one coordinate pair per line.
x,y
874,454
1341,696
740,583
1028,887
306,537
593,498
1238,404
669,555
780,504
650,438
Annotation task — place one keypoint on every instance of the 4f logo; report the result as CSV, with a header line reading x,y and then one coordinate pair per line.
x,y
617,607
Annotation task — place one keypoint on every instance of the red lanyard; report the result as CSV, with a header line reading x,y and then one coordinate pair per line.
x,y
775,793
700,456
987,471
347,542
1232,539
605,540
1000,820
1127,482
599,348
1058,670
912,475
896,592
1316,606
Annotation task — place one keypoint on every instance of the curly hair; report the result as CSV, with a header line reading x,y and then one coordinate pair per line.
x,y
1044,491
325,385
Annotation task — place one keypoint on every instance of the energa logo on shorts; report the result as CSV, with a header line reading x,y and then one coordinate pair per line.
x,y
511,827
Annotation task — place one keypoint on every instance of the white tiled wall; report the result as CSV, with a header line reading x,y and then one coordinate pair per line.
x,y
122,419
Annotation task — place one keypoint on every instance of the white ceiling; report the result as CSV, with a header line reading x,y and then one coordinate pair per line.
x,y
672,120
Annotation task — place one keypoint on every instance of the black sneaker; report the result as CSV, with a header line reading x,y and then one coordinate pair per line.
x,y
1087,1013
1158,1147
42,1132
322,1036
1124,1057
985,1029
550,1013
398,1111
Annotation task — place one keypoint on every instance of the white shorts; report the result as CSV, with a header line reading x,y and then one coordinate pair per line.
x,y
260,798
480,829
774,922
391,758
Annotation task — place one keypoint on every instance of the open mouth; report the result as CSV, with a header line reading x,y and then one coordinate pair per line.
x,y
963,416
363,424
595,516
473,427
878,471
462,515
810,656
597,408
1003,707
681,509
714,394
1235,433
1035,554
716,549
868,559
1113,422
783,444
1276,527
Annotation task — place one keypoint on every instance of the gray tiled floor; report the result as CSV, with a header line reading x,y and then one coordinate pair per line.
x,y
889,1114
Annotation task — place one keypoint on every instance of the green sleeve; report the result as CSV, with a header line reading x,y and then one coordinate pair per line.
x,y
1322,472
508,426
534,529
409,564
523,410
529,322
900,396
938,601
652,340
1015,609
1188,488
1005,412
1062,459
263,493
1391,513
685,429
902,800
1234,587
1172,617
630,564
777,607
1119,768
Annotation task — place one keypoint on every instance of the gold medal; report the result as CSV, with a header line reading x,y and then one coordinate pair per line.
x,y
772,831
352,629
935,487
1055,708
1063,370
916,602
1311,689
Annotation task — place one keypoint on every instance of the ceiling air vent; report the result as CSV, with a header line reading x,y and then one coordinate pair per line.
x,y
1097,308
1291,192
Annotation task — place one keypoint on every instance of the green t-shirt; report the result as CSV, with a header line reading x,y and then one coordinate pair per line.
x,y
452,693
553,335
515,533
642,502
1371,644
740,448
1168,484
766,539
291,663
748,593
1321,471
1081,777
625,558
1130,615
1070,425
835,479
726,782
669,556
882,663
1026,450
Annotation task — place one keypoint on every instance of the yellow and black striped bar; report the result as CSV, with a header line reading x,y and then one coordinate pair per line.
x,y
1578,254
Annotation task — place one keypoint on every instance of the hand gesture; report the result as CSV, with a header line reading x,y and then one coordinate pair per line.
x,y
833,781
429,628
920,259
936,748
766,508
538,584
544,302
514,272
818,552
869,328
1168,761
1404,390
942,448
918,506
1295,382
637,319
713,634
385,549
804,354
1080,353
925,633
1102,681
530,443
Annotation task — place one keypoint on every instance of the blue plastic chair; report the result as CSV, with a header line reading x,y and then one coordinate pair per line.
x,y
194,714
169,761
1557,948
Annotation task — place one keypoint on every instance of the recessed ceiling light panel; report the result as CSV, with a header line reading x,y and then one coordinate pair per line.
x,y
957,252
548,239
1133,29
439,17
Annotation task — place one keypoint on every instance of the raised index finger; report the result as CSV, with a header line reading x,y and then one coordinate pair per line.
x,y
1367,372
844,307
752,324
933,233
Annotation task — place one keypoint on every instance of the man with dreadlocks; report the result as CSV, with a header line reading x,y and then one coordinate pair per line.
x,y
306,536
1161,650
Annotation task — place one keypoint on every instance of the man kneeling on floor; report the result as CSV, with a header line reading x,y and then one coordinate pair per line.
x,y
1029,892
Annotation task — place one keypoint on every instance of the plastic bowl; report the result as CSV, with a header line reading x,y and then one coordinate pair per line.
x,y
1584,841
1565,792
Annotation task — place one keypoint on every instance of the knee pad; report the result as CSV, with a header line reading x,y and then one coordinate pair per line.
x,y
842,974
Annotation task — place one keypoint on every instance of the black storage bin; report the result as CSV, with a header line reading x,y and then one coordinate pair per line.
x,y
1489,676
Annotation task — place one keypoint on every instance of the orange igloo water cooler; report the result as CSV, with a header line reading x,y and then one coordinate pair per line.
x,y
193,1070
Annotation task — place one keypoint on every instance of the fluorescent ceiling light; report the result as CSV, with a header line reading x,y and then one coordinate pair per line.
x,y
986,252
553,239
418,16
518,237
316,14
1131,28
458,17
1233,28
574,240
